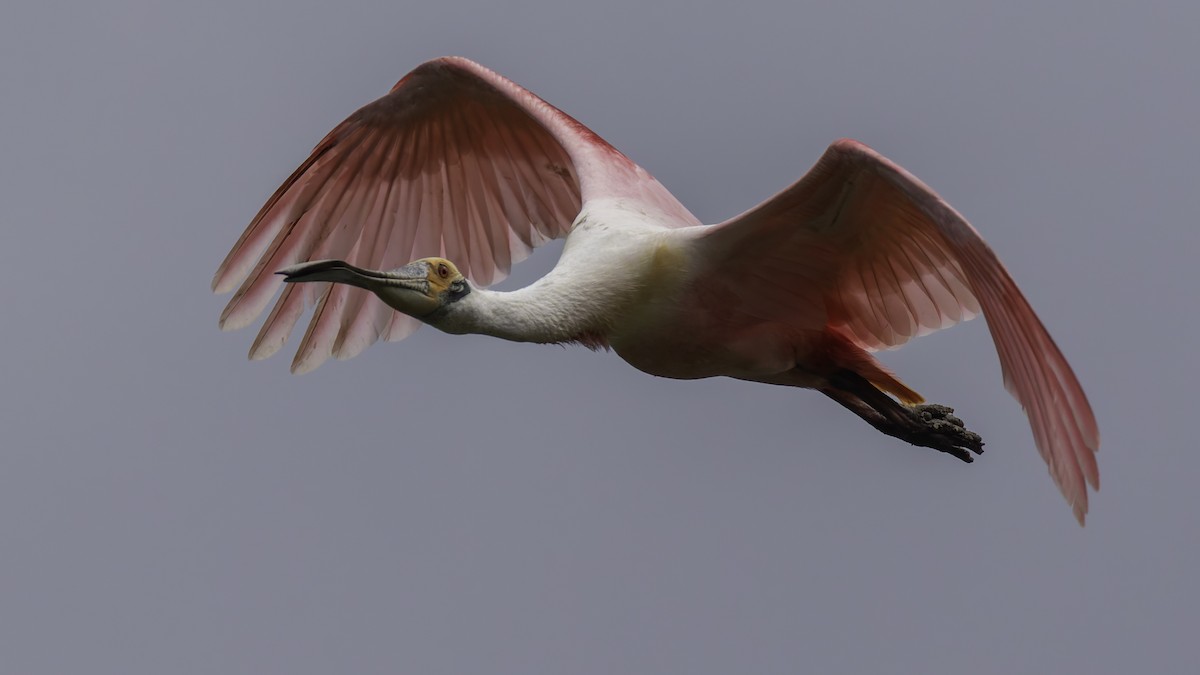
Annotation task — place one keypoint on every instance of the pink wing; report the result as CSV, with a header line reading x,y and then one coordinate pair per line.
x,y
861,245
456,161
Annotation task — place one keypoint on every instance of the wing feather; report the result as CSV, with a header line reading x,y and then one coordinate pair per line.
x,y
365,319
291,242
346,231
455,161
890,261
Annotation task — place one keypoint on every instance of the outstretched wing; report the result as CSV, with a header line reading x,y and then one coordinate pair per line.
x,y
456,161
863,246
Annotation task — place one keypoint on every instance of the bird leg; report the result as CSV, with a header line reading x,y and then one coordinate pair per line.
x,y
928,425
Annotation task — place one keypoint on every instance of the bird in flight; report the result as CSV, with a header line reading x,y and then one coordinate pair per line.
x,y
428,195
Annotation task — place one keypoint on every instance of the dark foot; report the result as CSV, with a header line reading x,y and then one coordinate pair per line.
x,y
939,429
930,425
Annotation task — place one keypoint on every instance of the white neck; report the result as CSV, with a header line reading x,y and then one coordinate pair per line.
x,y
546,311
612,257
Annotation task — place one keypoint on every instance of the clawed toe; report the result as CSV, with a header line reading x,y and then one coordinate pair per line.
x,y
934,411
943,431
929,425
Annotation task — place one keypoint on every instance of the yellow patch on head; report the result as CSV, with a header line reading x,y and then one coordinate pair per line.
x,y
442,273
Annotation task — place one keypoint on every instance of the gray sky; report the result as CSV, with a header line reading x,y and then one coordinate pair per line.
x,y
464,505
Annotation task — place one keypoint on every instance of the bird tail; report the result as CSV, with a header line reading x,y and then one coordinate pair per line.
x,y
887,381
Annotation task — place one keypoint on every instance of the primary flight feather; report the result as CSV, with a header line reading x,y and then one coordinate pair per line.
x,y
458,173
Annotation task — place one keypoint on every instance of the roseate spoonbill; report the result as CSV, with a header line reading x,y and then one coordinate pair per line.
x,y
466,172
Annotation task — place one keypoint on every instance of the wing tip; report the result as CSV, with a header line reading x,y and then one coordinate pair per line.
x,y
304,364
851,146
1086,474
847,143
260,351
232,319
450,61
223,282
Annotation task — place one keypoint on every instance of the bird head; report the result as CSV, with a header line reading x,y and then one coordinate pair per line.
x,y
417,289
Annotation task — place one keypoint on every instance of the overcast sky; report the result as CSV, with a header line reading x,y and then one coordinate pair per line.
x,y
465,505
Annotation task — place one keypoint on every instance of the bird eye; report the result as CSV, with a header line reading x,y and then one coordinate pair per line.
x,y
443,270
